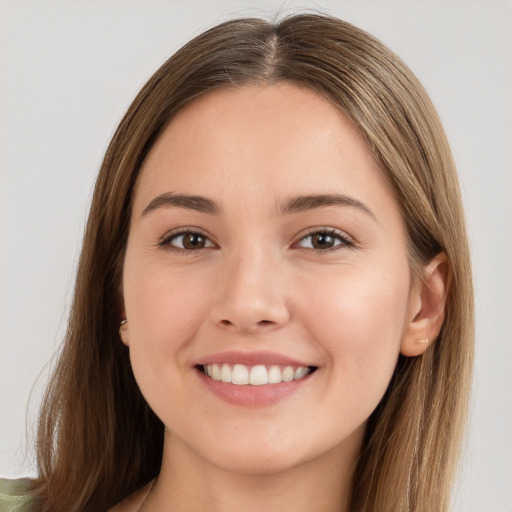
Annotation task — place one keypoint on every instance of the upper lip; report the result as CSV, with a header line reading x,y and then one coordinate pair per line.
x,y
249,359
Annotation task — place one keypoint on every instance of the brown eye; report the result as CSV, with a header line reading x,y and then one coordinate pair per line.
x,y
188,241
194,241
324,240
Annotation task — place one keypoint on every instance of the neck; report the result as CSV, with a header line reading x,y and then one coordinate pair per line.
x,y
189,483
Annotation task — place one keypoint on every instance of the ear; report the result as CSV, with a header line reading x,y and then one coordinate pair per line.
x,y
427,304
124,330
123,322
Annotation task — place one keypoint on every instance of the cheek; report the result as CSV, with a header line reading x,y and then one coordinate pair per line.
x,y
164,310
358,322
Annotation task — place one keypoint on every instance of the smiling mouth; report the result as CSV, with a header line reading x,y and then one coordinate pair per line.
x,y
258,375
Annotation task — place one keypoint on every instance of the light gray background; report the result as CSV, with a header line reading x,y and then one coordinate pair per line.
x,y
68,70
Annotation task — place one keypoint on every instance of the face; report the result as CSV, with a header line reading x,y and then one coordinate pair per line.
x,y
267,249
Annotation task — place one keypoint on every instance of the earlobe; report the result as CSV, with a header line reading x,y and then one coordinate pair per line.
x,y
427,308
123,322
123,332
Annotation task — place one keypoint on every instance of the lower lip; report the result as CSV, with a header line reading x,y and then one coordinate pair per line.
x,y
252,396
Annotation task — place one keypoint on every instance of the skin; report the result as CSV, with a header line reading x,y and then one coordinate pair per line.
x,y
256,284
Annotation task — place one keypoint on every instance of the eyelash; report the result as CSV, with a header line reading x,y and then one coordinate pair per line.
x,y
344,240
335,233
167,239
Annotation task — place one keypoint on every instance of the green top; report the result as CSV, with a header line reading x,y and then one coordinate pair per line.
x,y
15,496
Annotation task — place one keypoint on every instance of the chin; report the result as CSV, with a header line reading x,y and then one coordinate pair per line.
x,y
262,455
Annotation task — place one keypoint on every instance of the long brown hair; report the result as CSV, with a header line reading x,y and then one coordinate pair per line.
x,y
98,440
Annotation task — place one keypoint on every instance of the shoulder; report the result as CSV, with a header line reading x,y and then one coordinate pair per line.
x,y
17,496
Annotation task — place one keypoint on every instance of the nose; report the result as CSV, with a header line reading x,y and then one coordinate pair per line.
x,y
252,295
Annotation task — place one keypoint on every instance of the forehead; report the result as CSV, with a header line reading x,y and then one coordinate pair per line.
x,y
253,142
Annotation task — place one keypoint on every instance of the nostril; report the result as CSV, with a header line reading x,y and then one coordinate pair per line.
x,y
260,324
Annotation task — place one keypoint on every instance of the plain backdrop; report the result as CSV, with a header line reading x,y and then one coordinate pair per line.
x,y
68,71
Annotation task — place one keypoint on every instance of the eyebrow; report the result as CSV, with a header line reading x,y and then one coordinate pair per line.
x,y
170,200
312,202
294,205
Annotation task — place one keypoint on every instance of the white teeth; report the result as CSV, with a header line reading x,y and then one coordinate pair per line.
x,y
225,373
256,375
240,374
274,375
300,372
287,374
215,370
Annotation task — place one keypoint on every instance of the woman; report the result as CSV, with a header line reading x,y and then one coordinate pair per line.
x,y
273,306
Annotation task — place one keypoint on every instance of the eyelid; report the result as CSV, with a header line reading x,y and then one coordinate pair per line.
x,y
164,241
347,240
